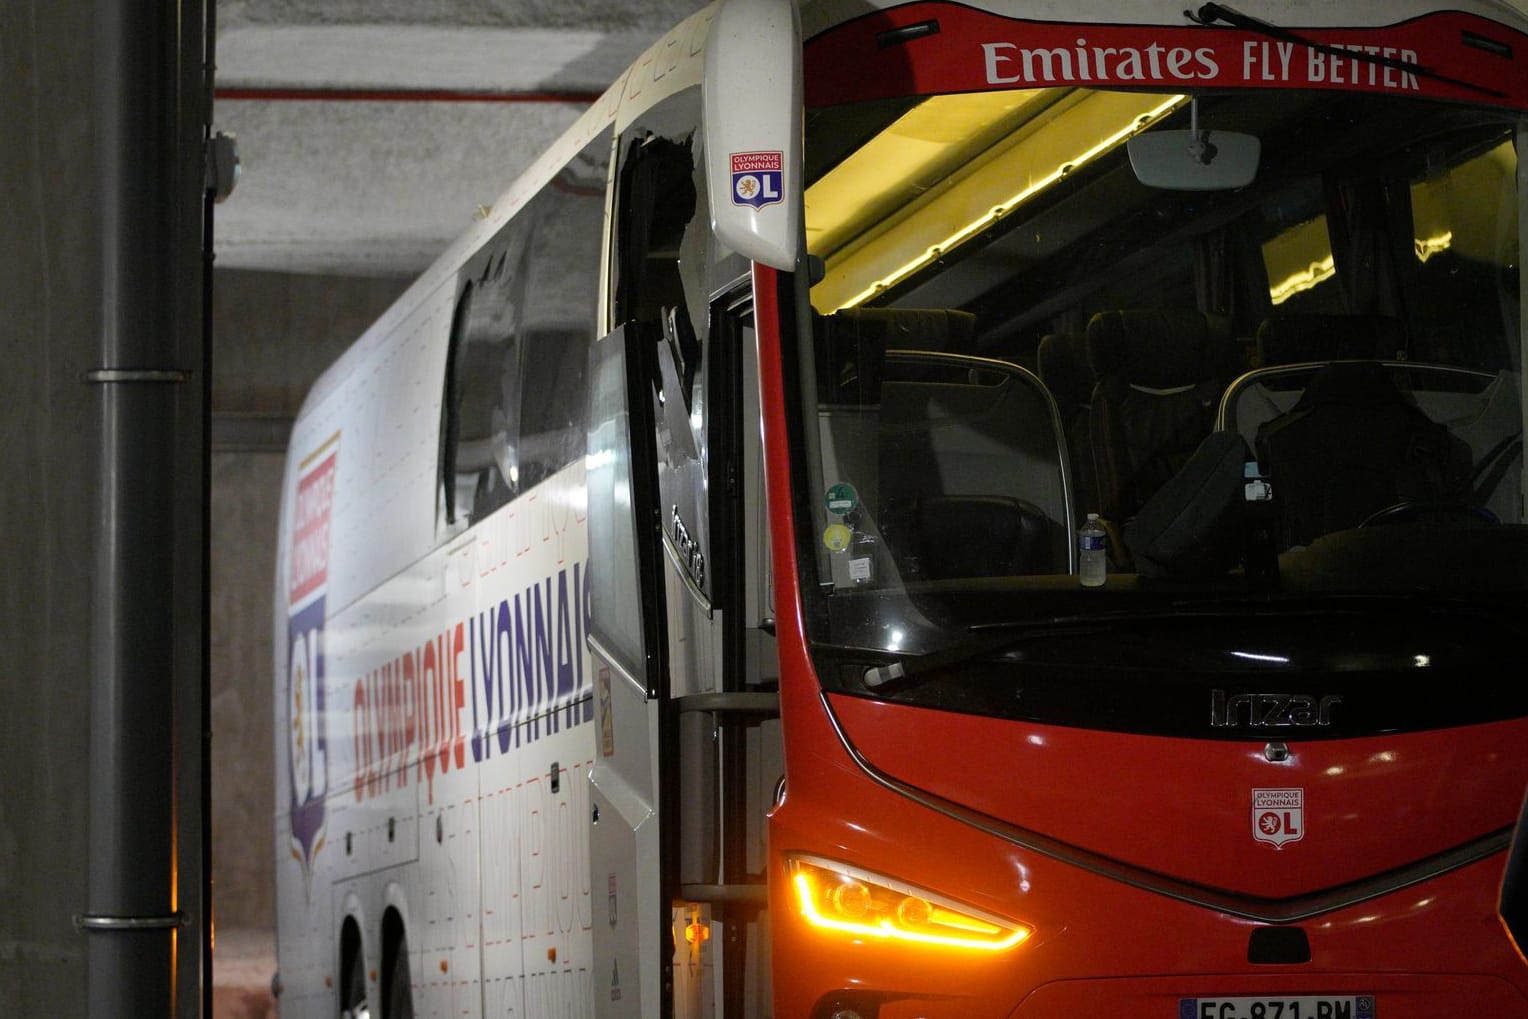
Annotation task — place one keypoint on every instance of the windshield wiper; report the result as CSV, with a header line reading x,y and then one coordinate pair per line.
x,y
1210,14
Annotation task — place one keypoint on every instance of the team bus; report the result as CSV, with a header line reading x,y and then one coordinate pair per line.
x,y
1002,508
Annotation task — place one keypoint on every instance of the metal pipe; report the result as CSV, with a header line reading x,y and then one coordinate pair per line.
x,y
147,683
201,99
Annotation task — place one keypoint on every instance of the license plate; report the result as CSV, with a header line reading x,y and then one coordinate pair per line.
x,y
1307,1006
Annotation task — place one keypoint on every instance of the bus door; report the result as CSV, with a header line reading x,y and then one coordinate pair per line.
x,y
725,675
625,636
686,755
687,746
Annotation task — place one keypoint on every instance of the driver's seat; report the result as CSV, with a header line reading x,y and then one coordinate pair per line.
x,y
1354,445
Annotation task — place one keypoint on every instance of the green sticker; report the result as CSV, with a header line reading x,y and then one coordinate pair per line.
x,y
842,498
837,537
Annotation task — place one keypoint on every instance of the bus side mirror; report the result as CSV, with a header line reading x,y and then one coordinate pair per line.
x,y
1194,160
752,94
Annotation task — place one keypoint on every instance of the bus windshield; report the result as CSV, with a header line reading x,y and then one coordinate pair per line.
x,y
1290,391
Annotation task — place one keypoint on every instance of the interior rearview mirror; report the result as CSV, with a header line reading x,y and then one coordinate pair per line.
x,y
1194,160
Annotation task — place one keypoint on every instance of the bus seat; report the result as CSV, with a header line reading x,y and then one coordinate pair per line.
x,y
853,342
1062,360
1296,339
1262,395
1191,527
1159,374
1481,408
980,536
1352,445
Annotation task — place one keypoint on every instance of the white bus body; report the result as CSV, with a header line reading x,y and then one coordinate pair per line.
x,y
453,721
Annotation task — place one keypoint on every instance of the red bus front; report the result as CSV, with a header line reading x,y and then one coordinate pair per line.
x,y
1264,368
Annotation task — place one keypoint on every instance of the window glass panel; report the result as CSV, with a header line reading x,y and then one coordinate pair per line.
x,y
561,302
516,400
1342,328
1465,296
615,576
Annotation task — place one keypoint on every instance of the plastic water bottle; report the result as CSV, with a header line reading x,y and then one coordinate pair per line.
x,y
1093,556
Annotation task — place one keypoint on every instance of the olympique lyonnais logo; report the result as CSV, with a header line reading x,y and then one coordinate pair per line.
x,y
307,583
1278,816
757,178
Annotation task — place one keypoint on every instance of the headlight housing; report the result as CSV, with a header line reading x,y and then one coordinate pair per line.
x,y
837,897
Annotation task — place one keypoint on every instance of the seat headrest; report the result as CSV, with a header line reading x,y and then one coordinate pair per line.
x,y
1351,385
1160,348
1062,360
1294,339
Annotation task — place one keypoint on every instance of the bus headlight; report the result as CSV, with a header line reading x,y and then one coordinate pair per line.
x,y
837,897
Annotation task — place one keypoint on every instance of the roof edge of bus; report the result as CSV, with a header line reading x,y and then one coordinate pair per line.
x,y
819,15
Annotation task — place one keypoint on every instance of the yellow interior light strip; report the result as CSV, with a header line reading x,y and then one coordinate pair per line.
x,y
1427,247
1039,147
1305,279
1319,272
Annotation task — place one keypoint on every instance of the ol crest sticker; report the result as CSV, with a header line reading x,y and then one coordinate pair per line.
x,y
1278,816
757,178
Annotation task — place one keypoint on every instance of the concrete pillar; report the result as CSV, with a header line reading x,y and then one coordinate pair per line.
x,y
48,330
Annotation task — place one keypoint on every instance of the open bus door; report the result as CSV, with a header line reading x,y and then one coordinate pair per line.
x,y
626,626
679,628
686,744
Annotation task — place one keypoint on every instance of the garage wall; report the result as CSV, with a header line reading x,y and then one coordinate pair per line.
x,y
48,334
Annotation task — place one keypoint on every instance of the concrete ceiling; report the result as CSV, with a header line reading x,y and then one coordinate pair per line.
x,y
371,131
